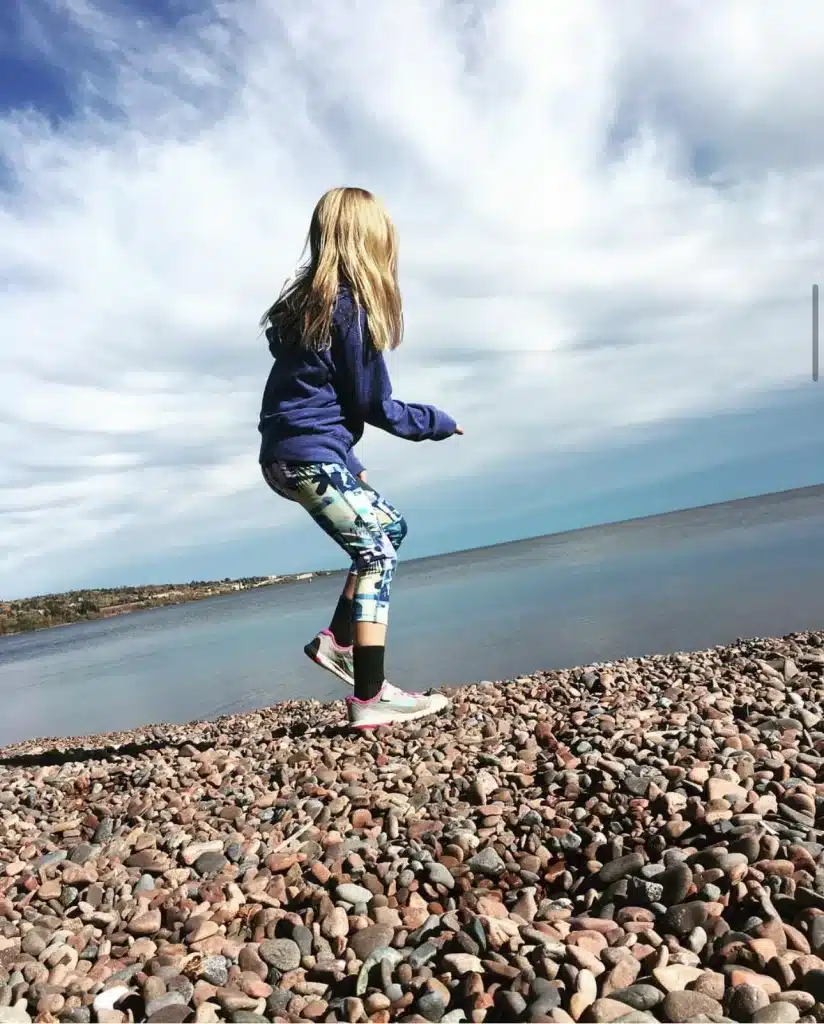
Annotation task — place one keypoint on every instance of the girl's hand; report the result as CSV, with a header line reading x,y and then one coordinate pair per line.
x,y
459,430
362,476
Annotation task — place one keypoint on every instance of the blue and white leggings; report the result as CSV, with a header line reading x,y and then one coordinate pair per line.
x,y
356,517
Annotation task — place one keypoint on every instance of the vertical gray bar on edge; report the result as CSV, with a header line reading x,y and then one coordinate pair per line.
x,y
815,332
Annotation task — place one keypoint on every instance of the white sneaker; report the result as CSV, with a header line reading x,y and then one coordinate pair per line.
x,y
393,705
324,651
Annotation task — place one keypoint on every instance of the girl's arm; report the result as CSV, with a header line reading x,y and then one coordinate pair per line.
x,y
366,386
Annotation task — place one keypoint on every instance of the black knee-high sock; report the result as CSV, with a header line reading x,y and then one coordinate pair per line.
x,y
369,671
342,627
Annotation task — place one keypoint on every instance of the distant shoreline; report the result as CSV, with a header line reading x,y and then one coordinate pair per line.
x,y
49,611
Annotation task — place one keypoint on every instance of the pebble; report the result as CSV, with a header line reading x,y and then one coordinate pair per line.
x,y
619,868
354,894
747,1000
430,1006
777,1013
367,940
282,954
639,997
441,875
683,1007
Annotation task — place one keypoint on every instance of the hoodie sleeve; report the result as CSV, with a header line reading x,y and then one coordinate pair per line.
x,y
364,379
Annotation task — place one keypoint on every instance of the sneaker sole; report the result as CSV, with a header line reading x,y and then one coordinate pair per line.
x,y
416,716
330,666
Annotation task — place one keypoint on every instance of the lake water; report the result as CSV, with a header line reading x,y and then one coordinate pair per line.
x,y
684,581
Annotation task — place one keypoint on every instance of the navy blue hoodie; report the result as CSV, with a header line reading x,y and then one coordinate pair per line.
x,y
315,404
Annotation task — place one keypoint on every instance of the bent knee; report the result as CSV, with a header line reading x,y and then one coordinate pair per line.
x,y
375,562
397,531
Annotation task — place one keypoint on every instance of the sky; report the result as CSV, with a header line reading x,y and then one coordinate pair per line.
x,y
610,222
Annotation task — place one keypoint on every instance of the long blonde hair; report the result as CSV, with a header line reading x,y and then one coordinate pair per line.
x,y
351,241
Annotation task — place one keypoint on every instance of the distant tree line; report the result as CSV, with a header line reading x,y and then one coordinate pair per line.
x,y
30,613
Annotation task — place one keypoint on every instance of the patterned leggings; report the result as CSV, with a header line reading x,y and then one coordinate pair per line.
x,y
357,518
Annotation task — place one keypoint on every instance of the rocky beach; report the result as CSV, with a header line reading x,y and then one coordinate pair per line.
x,y
633,841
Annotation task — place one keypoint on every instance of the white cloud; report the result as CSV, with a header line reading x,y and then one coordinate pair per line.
x,y
609,219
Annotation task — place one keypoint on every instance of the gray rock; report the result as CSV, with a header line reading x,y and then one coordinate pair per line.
x,y
378,956
34,942
621,867
639,997
83,853
163,1002
431,1006
683,917
215,971
644,893
277,1002
210,863
284,954
676,882
777,1013
441,875
79,1015
303,937
353,894
746,1000
69,895
422,955
685,1007
48,860
487,862
511,1004
104,832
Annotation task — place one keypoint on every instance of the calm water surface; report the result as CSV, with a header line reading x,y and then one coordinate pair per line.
x,y
679,582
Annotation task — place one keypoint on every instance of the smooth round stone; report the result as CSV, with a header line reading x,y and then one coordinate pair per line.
x,y
684,917
746,1000
487,862
353,894
302,936
422,955
431,1006
620,868
684,1007
215,971
441,875
643,892
676,881
639,997
511,1004
367,940
77,1015
284,954
210,863
777,1013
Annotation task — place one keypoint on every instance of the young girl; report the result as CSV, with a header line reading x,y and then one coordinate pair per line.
x,y
327,332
